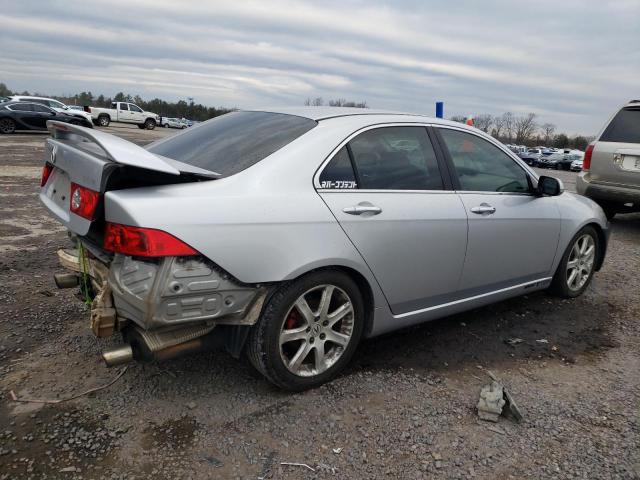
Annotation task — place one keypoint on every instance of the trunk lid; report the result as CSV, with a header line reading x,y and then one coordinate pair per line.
x,y
100,161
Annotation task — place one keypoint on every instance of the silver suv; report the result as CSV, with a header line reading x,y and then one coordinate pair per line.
x,y
611,166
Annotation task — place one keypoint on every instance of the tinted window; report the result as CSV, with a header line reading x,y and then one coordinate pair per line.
x,y
123,106
41,108
396,158
625,127
481,166
134,108
339,172
21,107
230,143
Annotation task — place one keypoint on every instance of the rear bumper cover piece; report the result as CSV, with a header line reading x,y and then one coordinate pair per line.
x,y
179,290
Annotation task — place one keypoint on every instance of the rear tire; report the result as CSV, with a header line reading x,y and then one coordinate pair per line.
x,y
104,120
7,126
301,347
141,126
149,124
609,209
577,265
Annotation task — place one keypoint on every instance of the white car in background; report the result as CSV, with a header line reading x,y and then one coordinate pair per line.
x,y
54,104
173,123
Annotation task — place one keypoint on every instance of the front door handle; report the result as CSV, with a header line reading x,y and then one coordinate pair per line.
x,y
484,209
360,209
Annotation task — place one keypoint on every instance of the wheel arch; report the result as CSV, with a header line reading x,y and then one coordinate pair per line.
x,y
602,243
361,281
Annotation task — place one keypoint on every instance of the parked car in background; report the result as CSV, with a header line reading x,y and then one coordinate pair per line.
x,y
57,105
551,161
17,115
569,158
124,112
76,107
611,166
290,235
576,165
168,122
531,157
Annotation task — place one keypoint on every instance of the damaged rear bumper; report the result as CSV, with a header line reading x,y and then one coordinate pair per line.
x,y
163,307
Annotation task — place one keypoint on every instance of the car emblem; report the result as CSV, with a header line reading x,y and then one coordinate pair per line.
x,y
52,158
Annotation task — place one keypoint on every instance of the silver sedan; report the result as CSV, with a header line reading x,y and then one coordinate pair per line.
x,y
289,236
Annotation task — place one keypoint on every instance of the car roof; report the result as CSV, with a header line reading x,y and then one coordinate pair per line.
x,y
31,97
326,113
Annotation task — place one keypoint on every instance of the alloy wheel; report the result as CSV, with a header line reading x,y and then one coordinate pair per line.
x,y
316,330
580,263
7,125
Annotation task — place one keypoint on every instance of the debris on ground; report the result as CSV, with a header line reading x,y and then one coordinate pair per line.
x,y
491,402
337,450
295,464
495,400
542,340
513,341
15,398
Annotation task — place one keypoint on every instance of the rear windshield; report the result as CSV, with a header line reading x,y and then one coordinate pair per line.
x,y
232,142
625,127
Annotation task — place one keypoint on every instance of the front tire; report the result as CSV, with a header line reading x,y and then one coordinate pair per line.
x,y
577,266
150,124
7,126
308,331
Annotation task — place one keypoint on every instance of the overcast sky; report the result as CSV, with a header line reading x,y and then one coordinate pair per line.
x,y
572,62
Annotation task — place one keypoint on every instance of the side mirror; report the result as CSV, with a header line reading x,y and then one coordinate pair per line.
x,y
549,187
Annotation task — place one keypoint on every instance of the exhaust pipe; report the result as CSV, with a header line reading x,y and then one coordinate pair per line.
x,y
66,280
118,356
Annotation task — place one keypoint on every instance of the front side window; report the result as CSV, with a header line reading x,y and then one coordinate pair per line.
x,y
481,166
233,142
396,158
134,108
339,174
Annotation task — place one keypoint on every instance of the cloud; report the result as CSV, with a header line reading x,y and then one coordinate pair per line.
x,y
572,62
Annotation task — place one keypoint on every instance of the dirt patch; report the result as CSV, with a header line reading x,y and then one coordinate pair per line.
x,y
175,434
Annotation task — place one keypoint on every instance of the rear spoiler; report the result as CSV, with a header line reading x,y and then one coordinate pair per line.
x,y
117,149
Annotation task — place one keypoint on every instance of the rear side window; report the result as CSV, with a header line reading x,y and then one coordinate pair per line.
x,y
396,158
624,128
339,173
233,142
124,106
21,107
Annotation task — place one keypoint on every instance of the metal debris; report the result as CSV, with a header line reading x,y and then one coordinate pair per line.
x,y
294,464
15,398
514,341
337,450
542,340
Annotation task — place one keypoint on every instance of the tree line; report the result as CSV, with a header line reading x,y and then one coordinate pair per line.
x,y
525,130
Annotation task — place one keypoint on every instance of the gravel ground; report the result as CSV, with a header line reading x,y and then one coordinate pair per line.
x,y
403,409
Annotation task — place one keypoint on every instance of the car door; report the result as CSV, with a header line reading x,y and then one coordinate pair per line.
x,y
124,115
136,113
386,188
42,114
513,233
26,115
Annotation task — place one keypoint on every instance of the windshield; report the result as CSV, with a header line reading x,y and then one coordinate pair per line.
x,y
233,142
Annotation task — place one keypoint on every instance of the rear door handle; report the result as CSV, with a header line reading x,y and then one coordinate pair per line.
x,y
484,208
360,209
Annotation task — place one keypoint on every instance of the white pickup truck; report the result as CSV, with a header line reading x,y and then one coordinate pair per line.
x,y
124,112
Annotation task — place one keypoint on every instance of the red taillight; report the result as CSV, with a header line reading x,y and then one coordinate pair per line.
x,y
143,242
83,201
46,173
586,161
